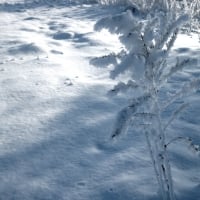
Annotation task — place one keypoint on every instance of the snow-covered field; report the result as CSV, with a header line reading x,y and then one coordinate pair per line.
x,y
56,117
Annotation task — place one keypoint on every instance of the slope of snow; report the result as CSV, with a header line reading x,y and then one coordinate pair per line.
x,y
56,117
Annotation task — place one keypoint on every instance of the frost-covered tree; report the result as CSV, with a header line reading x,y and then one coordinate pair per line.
x,y
143,68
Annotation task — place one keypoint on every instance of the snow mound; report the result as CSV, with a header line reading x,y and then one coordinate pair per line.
x,y
30,48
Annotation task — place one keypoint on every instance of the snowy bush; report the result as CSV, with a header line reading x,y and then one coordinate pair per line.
x,y
143,69
191,7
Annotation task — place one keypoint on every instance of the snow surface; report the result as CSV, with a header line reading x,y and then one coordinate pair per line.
x,y
56,117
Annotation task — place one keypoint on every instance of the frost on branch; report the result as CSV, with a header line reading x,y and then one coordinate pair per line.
x,y
179,66
119,24
125,115
175,114
132,41
189,142
132,63
169,30
123,87
123,120
187,89
104,61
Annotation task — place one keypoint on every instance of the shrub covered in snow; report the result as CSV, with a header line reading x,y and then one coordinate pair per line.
x,y
142,69
191,7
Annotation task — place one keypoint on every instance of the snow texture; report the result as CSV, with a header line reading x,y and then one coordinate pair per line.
x,y
56,116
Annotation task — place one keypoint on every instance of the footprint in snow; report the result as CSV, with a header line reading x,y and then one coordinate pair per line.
x,y
68,82
106,146
31,18
62,36
82,184
56,52
28,30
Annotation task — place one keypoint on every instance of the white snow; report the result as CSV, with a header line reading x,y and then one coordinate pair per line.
x,y
56,118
